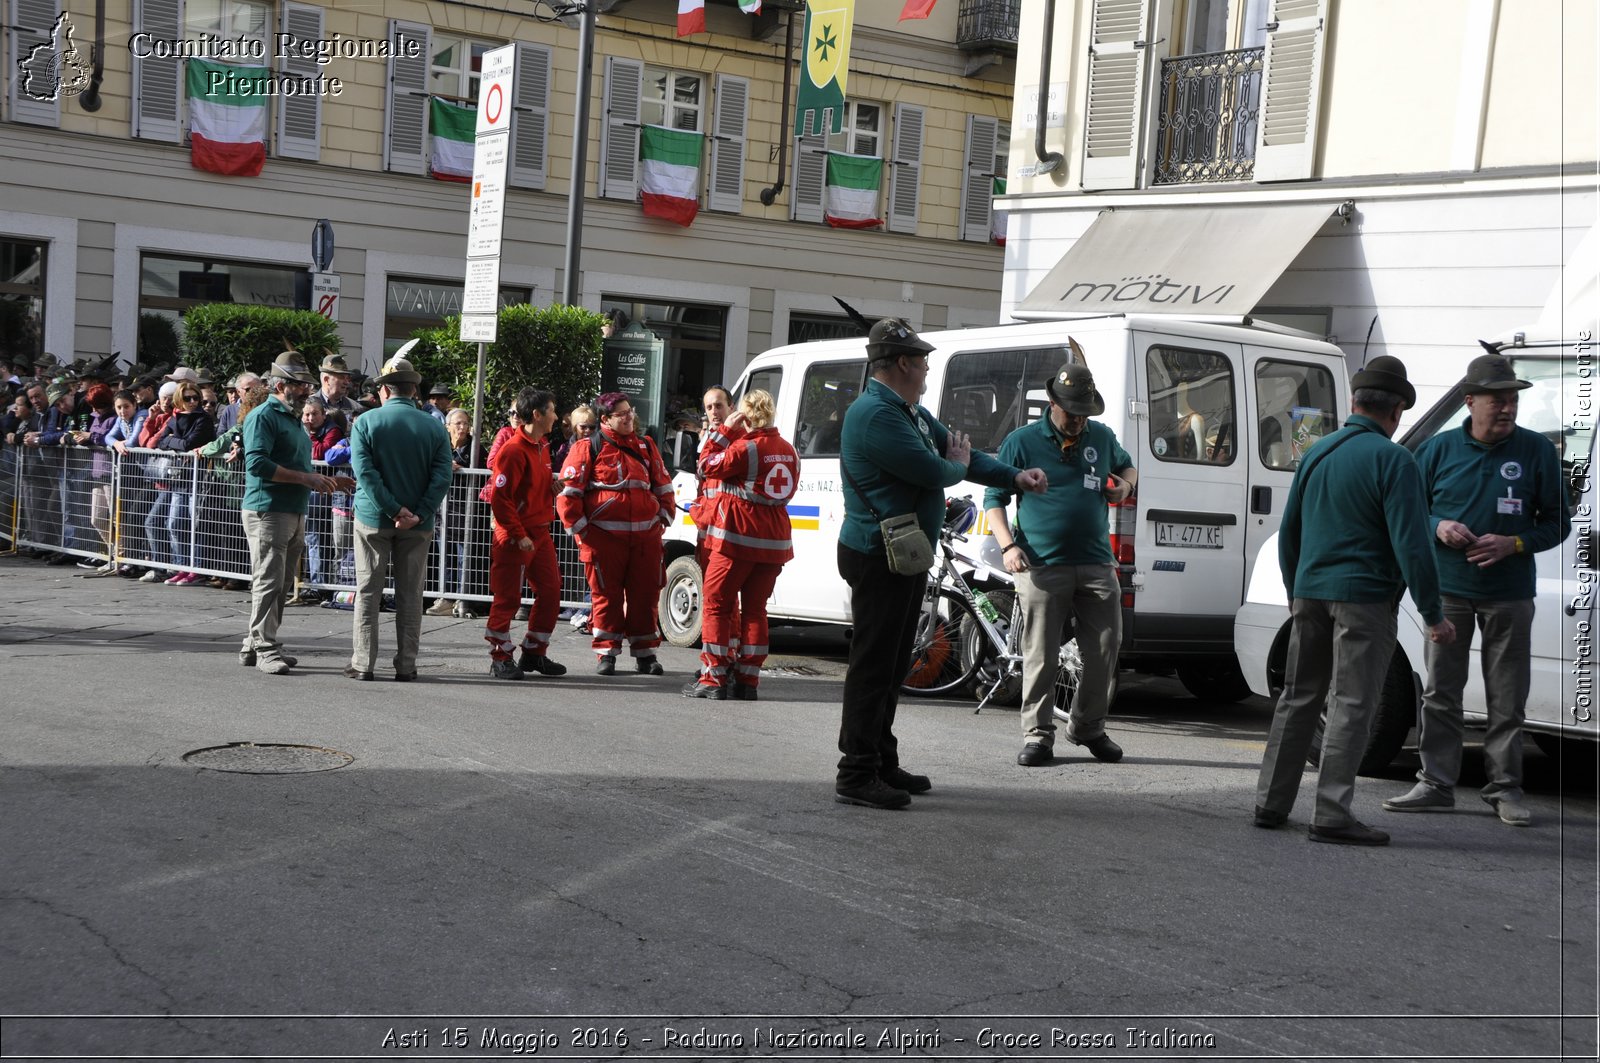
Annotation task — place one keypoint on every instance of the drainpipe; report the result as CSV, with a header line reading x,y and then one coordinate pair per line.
x,y
768,195
1048,160
90,99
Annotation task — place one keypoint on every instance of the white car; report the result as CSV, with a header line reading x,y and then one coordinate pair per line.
x,y
1561,406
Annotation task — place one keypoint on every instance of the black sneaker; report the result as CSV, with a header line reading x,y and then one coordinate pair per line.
x,y
1103,749
698,689
538,663
606,664
649,665
901,779
352,672
874,793
1268,819
744,692
505,670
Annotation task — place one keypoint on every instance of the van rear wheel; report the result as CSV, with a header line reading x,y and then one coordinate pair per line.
x,y
680,602
1215,679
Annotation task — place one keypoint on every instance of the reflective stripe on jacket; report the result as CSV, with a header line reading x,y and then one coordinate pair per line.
x,y
609,487
755,474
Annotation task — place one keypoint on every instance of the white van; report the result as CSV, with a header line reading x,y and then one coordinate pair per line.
x,y
1561,406
1213,415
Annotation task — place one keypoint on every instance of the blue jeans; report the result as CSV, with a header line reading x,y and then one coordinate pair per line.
x,y
155,524
180,519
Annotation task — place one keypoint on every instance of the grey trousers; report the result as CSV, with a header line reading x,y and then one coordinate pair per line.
x,y
376,549
1049,595
276,540
1339,653
1506,645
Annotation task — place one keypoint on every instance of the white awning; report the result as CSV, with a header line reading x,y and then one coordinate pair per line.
x,y
1194,261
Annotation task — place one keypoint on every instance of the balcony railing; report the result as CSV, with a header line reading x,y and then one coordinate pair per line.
x,y
1209,106
982,25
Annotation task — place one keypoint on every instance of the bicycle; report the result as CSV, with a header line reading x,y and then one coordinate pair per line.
x,y
962,637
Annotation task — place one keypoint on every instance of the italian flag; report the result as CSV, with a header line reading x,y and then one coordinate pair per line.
x,y
852,195
227,121
691,17
997,217
669,173
453,128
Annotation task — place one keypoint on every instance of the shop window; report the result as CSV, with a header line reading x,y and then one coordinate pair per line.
x,y
1191,406
414,303
1297,406
169,285
693,337
22,273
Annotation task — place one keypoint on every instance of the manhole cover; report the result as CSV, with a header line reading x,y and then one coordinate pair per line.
x,y
793,671
248,758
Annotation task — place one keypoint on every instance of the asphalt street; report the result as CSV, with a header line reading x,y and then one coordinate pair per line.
x,y
600,868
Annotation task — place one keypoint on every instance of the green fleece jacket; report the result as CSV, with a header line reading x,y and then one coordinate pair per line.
x,y
1513,487
1069,524
401,458
894,452
1355,528
274,438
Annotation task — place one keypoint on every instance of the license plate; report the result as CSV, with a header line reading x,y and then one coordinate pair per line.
x,y
1196,536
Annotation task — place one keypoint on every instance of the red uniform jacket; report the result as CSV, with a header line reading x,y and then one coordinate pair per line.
x,y
756,473
519,475
607,486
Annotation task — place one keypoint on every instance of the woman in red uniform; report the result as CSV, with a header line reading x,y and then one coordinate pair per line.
x,y
616,500
521,496
755,470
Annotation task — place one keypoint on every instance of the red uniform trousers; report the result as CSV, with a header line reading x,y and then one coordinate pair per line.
x,y
733,620
625,581
509,568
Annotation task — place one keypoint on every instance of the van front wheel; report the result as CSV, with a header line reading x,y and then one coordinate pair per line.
x,y
680,602
1397,714
1214,679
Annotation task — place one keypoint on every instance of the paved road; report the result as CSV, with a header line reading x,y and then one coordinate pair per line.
x,y
498,856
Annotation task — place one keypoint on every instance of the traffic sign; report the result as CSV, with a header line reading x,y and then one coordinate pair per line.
x,y
325,294
494,90
479,328
322,245
488,194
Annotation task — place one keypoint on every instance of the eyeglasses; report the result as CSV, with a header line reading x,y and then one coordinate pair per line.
x,y
209,402
189,396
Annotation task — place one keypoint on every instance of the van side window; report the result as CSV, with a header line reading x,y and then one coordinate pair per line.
x,y
768,380
1191,406
988,394
827,391
1296,405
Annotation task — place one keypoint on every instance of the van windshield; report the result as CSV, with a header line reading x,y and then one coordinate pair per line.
x,y
1559,406
988,394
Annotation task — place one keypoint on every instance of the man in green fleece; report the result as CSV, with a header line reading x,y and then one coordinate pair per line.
x,y
1354,536
896,459
1061,556
1495,498
278,481
402,461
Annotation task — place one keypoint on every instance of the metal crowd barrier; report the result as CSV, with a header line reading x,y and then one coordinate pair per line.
x,y
175,512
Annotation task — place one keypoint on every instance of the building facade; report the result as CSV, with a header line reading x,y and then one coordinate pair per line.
x,y
107,226
1444,155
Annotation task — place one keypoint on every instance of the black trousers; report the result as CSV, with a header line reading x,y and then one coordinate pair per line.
x,y
883,611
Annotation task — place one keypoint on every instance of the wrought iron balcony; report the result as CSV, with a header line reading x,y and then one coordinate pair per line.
x,y
985,25
1209,106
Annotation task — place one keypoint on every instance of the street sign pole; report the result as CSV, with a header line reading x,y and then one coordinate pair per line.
x,y
480,299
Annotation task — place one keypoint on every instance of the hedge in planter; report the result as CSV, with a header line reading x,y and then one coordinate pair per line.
x,y
229,338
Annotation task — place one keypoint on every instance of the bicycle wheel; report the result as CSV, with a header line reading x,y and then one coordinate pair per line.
x,y
980,652
1069,677
937,666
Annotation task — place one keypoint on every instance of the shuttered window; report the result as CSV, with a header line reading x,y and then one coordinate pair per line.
x,y
977,182
405,127
905,169
619,148
300,116
530,117
31,22
1113,123
810,173
158,83
1290,91
728,144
